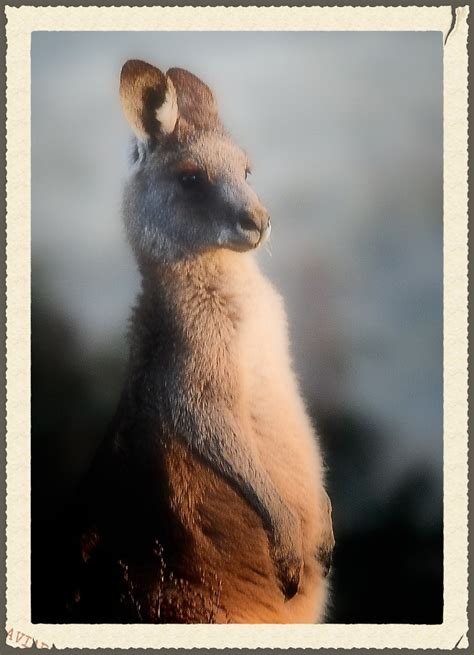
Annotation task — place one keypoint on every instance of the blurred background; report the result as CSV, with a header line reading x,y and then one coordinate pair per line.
x,y
345,134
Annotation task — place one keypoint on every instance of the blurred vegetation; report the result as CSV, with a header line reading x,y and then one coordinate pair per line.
x,y
387,567
74,395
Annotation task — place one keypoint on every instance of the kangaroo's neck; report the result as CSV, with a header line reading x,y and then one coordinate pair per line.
x,y
197,301
200,281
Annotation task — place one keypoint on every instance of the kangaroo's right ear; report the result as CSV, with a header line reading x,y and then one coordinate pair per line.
x,y
148,100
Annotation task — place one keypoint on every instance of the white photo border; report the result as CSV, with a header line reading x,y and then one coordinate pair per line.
x,y
21,22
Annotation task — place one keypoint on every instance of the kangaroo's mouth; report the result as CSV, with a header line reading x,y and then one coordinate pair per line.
x,y
249,235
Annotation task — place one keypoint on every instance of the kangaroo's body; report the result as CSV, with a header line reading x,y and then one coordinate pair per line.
x,y
206,502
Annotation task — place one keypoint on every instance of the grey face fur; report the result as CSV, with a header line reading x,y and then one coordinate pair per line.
x,y
187,192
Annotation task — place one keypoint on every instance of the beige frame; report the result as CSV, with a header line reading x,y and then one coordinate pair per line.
x,y
21,22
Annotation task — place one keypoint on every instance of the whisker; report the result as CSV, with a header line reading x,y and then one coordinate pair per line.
x,y
268,247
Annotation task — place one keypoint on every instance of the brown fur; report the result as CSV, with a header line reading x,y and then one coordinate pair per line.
x,y
208,495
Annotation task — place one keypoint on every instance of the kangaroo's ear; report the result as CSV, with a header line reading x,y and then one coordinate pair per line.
x,y
148,99
196,102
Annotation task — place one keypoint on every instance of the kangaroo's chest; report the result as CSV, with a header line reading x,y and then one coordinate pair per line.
x,y
267,382
280,427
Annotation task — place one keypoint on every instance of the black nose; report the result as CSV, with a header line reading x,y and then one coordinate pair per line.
x,y
257,220
247,223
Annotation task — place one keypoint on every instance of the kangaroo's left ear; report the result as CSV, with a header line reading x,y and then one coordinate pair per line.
x,y
148,100
196,102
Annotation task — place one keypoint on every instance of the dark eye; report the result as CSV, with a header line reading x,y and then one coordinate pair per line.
x,y
247,172
193,180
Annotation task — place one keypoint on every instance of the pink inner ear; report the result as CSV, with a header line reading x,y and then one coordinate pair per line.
x,y
196,102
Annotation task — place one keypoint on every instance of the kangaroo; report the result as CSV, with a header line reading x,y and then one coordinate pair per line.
x,y
212,496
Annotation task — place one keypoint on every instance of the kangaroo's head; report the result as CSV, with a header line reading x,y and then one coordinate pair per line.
x,y
188,191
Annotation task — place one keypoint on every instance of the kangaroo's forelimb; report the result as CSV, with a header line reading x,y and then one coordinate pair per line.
x,y
218,440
